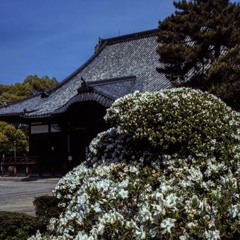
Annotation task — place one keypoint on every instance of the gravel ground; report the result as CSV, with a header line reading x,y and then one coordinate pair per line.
x,y
17,194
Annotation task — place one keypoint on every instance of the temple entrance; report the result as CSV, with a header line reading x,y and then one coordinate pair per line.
x,y
81,123
76,147
63,143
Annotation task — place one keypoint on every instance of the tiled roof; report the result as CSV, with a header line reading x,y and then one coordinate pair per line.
x,y
119,66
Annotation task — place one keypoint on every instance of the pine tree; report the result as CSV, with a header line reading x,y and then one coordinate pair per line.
x,y
194,36
224,78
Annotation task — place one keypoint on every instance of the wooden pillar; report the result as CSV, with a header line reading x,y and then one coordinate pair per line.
x,y
26,170
15,170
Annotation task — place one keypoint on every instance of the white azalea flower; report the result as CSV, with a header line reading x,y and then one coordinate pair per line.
x,y
140,233
96,207
234,211
123,193
167,224
212,235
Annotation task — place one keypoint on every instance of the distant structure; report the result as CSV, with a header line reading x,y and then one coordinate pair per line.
x,y
63,120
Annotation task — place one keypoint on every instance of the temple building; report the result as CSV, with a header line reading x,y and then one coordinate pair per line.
x,y
63,120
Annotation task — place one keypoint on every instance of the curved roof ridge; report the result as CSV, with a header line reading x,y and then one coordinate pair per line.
x,y
93,95
128,37
76,72
100,46
10,103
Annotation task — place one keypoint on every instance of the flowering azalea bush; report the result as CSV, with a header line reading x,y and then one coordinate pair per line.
x,y
112,147
182,120
194,200
140,183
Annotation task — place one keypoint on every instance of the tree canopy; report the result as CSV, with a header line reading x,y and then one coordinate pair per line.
x,y
9,134
192,38
40,84
224,78
31,85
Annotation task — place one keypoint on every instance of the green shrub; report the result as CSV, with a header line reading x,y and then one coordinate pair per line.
x,y
19,226
182,121
46,207
112,147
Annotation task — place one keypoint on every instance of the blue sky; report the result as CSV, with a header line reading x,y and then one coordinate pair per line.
x,y
55,37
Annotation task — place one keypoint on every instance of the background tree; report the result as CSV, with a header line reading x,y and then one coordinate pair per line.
x,y
39,84
9,134
192,38
31,85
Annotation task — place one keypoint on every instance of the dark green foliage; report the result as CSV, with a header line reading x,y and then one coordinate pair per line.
x,y
194,36
224,78
179,121
46,207
19,226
